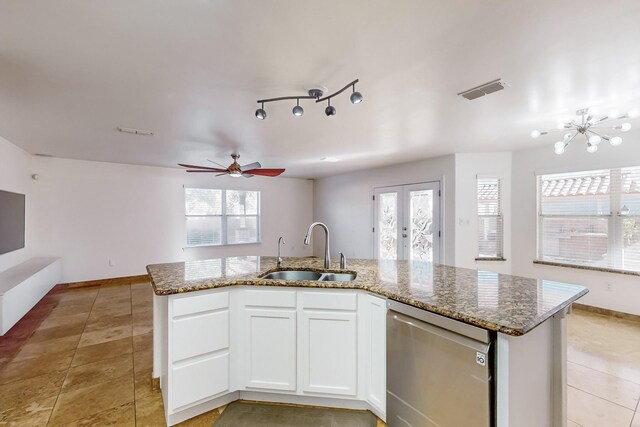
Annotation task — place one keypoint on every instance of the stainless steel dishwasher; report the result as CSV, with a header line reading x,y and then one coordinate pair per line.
x,y
439,371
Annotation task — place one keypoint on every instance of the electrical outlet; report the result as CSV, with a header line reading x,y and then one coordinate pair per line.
x,y
609,286
111,263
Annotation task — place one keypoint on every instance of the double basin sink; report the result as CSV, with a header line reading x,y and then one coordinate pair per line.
x,y
310,275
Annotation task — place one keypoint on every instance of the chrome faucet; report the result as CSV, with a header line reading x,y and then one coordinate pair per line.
x,y
280,243
307,240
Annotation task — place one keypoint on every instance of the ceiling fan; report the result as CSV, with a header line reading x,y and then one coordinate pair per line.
x,y
235,169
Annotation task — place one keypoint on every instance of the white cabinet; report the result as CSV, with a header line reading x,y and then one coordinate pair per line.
x,y
329,352
297,345
373,311
270,350
198,353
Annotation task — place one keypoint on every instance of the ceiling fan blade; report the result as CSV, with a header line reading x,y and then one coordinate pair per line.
x,y
250,166
247,175
224,173
216,163
265,172
201,167
201,170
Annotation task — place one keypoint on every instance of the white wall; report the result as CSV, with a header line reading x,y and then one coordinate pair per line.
x,y
15,176
468,167
344,203
90,212
624,295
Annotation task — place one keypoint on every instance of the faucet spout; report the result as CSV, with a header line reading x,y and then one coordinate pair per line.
x,y
307,240
279,260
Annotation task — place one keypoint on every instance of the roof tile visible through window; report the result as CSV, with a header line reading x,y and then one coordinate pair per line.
x,y
581,186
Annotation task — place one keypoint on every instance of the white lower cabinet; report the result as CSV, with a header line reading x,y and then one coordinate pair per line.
x,y
270,351
329,352
299,343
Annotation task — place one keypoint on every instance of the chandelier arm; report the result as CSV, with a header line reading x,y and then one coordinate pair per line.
x,y
338,92
566,143
284,98
596,133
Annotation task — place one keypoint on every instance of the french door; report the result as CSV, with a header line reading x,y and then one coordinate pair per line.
x,y
407,222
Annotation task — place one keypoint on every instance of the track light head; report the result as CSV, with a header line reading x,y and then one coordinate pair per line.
x,y
260,113
298,110
330,110
356,97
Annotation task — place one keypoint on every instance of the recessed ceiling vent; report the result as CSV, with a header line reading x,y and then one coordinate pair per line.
x,y
484,89
135,131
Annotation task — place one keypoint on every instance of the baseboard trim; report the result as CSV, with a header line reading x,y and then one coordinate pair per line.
x,y
606,312
113,281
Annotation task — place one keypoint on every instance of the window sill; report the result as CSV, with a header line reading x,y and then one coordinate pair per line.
x,y
491,259
586,267
221,245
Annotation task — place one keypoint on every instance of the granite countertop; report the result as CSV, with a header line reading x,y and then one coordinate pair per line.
x,y
498,302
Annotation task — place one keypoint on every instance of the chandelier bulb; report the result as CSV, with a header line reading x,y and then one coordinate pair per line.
x,y
615,141
592,148
535,134
595,139
559,147
625,127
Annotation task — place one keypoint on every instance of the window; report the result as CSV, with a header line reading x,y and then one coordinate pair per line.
x,y
590,218
490,227
221,217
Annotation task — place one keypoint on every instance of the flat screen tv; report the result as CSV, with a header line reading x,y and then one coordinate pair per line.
x,y
11,221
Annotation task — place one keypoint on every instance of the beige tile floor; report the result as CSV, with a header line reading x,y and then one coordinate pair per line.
x,y
83,357
603,371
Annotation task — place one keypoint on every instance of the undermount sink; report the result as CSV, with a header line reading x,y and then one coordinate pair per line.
x,y
310,275
293,275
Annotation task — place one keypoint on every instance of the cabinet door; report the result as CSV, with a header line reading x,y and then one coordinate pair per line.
x,y
375,352
270,356
329,352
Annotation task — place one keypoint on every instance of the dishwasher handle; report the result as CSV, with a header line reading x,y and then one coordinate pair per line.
x,y
443,333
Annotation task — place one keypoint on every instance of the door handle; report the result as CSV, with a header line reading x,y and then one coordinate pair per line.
x,y
404,235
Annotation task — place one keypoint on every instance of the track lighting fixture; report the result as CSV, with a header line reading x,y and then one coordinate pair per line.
x,y
297,110
260,113
587,126
316,94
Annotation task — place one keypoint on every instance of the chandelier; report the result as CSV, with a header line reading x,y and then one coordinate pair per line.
x,y
314,93
592,128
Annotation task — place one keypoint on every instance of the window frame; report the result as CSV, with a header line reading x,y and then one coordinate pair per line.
x,y
500,216
224,236
615,224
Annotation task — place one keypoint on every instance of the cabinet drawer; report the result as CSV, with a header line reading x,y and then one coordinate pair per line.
x,y
286,299
198,335
199,303
330,300
199,380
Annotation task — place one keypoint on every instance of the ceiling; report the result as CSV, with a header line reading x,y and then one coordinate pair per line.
x,y
191,71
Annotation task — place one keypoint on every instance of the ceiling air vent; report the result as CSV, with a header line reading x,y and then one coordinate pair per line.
x,y
483,89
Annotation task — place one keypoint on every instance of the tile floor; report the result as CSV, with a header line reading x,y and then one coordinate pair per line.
x,y
83,357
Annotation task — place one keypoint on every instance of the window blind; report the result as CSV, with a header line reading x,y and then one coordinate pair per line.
x,y
590,218
490,221
221,217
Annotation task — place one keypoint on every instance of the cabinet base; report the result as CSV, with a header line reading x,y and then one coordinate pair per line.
x,y
257,396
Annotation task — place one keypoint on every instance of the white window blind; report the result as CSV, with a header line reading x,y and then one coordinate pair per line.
x,y
222,217
490,221
590,218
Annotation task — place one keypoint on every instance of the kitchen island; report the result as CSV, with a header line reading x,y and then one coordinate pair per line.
x,y
223,332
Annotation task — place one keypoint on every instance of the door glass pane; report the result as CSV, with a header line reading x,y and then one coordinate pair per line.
x,y
388,226
421,225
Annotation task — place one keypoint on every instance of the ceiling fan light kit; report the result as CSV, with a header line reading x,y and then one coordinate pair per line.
x,y
234,170
314,93
591,128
